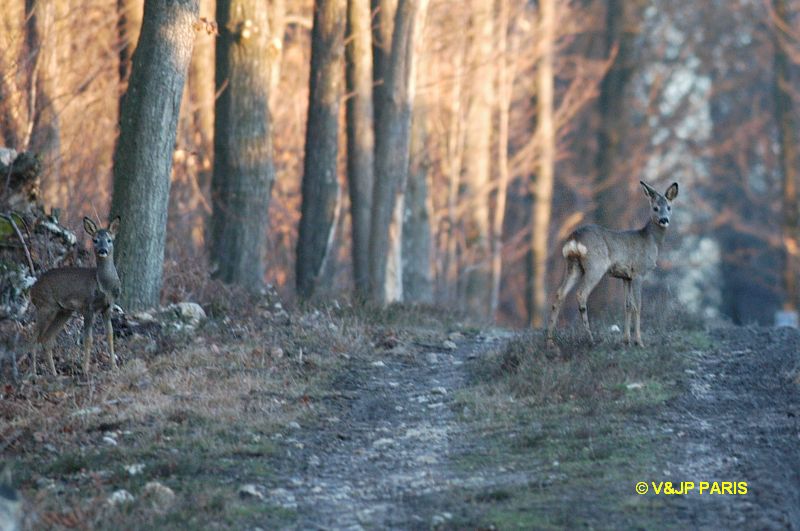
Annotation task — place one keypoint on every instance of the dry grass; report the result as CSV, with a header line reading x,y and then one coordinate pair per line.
x,y
188,404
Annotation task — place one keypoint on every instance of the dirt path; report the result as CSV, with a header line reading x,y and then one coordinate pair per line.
x,y
387,455
740,421
383,460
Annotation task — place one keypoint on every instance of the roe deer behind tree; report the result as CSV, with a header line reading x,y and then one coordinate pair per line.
x,y
592,251
60,292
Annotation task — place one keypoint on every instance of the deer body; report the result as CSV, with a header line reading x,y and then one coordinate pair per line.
x,y
60,292
593,251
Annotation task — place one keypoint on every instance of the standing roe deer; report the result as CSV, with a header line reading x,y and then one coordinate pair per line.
x,y
592,251
60,292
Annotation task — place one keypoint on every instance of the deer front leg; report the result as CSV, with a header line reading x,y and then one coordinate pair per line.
x,y
88,320
636,289
628,310
110,335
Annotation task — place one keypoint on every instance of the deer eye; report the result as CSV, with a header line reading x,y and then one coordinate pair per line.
x,y
669,209
95,240
655,209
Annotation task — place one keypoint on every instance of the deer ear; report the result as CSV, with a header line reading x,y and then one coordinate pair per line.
x,y
113,227
649,191
672,191
89,226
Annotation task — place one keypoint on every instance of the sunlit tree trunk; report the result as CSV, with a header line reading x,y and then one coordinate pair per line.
x,y
543,187
143,156
360,136
392,140
243,166
320,177
44,129
787,145
129,22
477,160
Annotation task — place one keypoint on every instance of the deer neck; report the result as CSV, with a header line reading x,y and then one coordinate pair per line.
x,y
655,232
107,277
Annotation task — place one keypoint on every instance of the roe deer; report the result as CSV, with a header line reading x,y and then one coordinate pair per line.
x,y
60,292
592,251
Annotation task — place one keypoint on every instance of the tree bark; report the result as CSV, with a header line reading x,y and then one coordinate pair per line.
x,y
243,166
143,156
360,136
320,177
477,160
543,190
787,146
45,137
392,139
416,245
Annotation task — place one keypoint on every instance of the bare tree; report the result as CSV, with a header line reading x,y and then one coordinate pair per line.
x,y
143,156
243,168
321,194
360,136
543,186
787,145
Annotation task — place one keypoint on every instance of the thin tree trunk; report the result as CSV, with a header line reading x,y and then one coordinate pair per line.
x,y
277,26
392,139
505,83
543,191
384,12
143,156
787,142
320,177
243,166
360,136
477,157
129,22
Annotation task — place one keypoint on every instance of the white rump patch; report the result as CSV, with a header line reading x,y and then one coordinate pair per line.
x,y
574,248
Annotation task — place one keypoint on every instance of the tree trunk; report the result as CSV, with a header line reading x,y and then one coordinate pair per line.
x,y
143,156
416,252
787,145
609,191
477,160
543,191
243,168
505,83
320,177
45,138
384,12
392,139
360,136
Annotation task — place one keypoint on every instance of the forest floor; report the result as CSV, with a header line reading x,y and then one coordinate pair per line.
x,y
409,419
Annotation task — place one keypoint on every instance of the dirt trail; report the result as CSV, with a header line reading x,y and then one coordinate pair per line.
x,y
740,421
385,458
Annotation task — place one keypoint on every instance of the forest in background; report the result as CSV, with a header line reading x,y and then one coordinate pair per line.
x,y
489,130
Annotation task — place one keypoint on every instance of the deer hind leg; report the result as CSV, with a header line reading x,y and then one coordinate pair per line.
x,y
628,310
590,279
571,276
88,321
48,326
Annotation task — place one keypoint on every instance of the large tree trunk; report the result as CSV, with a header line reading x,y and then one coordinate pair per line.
x,y
320,176
243,169
416,245
392,139
143,156
610,190
360,136
543,190
787,144
477,161
45,138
